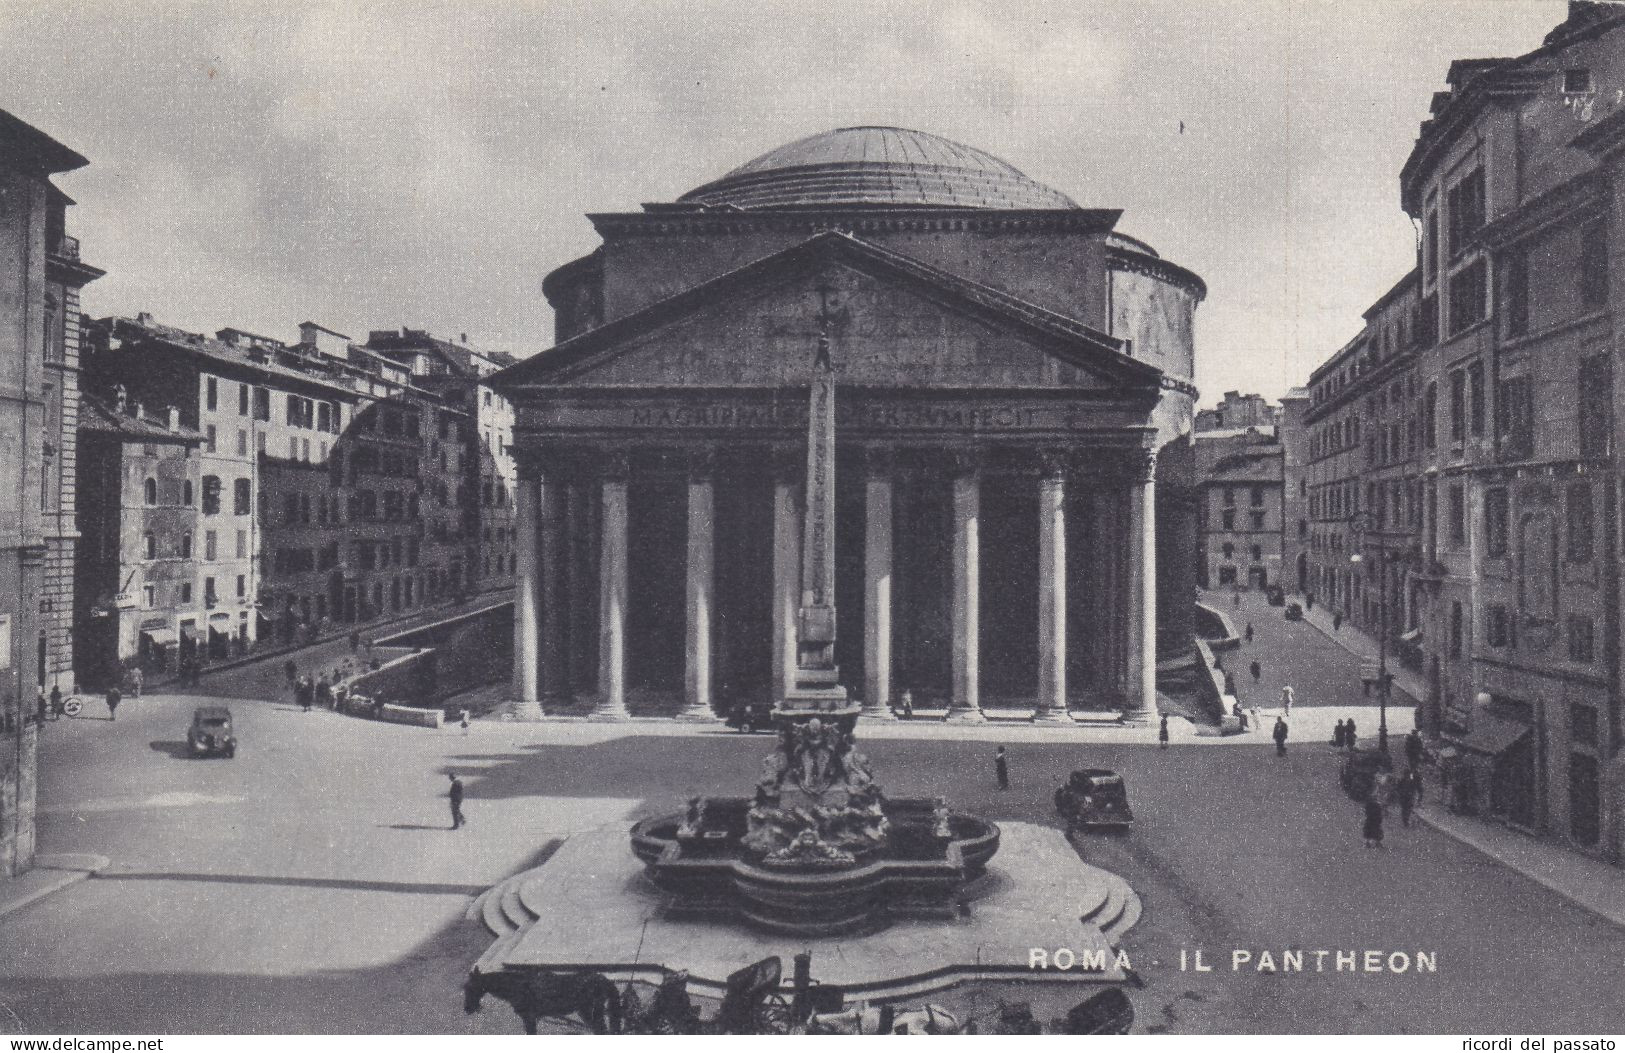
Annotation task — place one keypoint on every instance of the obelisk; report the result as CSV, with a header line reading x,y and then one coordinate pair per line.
x,y
817,681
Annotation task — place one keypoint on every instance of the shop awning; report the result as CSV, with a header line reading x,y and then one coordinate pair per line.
x,y
164,637
1493,735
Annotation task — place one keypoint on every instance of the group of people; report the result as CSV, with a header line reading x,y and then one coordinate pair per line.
x,y
1407,789
307,693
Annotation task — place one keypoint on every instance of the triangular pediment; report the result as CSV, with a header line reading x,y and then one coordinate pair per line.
x,y
891,322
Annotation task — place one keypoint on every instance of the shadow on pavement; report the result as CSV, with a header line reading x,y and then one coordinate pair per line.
x,y
427,888
177,750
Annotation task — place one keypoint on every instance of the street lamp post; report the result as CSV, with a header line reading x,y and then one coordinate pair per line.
x,y
1358,524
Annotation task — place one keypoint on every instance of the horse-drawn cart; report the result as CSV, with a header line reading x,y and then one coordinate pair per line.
x,y
752,1004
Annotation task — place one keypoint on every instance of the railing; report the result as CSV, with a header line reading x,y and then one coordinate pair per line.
x,y
67,247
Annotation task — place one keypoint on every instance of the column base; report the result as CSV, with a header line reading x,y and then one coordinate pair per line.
x,y
608,712
877,711
698,715
1055,716
1137,718
526,711
965,715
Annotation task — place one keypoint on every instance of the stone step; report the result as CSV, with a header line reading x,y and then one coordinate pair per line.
x,y
491,913
513,908
1132,911
475,905
1091,907
533,892
1111,912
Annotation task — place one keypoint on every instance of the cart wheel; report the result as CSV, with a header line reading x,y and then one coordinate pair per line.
x,y
772,1015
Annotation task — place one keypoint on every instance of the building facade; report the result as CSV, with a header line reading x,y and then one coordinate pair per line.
x,y
455,372
1239,471
1293,433
982,390
1236,410
330,488
1464,445
40,278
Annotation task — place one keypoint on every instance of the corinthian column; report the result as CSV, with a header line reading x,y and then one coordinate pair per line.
x,y
877,581
555,688
1052,707
1140,679
701,578
612,591
527,703
965,707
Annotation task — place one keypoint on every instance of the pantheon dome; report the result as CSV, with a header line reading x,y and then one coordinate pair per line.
x,y
877,167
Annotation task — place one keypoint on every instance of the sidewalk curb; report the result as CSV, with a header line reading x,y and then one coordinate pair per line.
x,y
52,872
1485,847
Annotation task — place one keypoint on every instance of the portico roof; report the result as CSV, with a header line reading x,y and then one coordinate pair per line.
x,y
1066,338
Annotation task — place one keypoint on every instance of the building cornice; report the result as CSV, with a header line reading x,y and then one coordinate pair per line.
x,y
813,221
1122,259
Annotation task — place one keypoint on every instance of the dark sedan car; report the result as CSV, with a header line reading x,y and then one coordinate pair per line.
x,y
1094,799
210,733
751,716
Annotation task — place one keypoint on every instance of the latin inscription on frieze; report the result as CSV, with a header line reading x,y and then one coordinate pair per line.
x,y
881,416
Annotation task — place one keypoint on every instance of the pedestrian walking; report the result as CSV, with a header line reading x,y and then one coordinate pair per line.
x,y
1337,734
56,700
1350,739
1309,601
1001,768
456,798
908,705
1413,748
355,641
1256,721
1372,829
464,722
1255,669
1286,701
1407,796
1337,620
1280,737
113,697
1249,632
324,692
136,682
303,693
1162,734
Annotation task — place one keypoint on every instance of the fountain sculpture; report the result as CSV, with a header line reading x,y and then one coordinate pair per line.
x,y
818,849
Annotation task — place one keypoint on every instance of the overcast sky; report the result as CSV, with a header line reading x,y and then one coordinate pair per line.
x,y
426,164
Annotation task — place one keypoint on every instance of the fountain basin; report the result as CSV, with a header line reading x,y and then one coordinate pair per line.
x,y
914,875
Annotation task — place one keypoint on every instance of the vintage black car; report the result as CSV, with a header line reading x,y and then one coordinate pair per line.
x,y
1094,799
1362,770
210,733
751,716
1294,612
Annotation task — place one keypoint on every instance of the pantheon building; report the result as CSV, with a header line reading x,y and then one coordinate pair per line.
x,y
1013,520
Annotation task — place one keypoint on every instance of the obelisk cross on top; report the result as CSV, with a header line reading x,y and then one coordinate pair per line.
x,y
817,677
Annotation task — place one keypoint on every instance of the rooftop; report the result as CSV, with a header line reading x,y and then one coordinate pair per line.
x,y
872,166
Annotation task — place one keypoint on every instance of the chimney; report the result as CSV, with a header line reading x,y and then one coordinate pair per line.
x,y
144,318
174,418
135,410
465,338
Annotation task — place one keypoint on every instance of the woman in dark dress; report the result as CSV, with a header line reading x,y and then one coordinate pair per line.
x,y
1373,823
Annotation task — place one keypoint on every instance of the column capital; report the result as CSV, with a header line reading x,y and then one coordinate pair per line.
x,y
615,465
788,462
1141,465
701,464
879,462
1054,463
963,462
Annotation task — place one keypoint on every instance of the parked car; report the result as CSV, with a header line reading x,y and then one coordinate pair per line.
x,y
751,716
1362,770
1275,595
211,732
1094,799
1294,612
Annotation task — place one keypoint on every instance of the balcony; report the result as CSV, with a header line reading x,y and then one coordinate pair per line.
x,y
66,247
